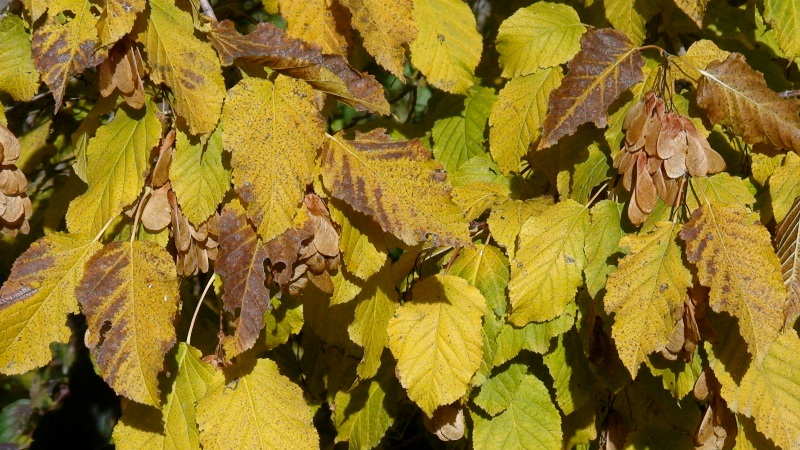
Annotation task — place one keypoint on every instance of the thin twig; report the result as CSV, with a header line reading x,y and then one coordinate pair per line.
x,y
197,309
207,10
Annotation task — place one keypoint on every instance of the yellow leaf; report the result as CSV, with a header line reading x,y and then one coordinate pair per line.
x,y
436,339
61,50
517,116
784,186
784,17
385,27
699,55
363,414
273,132
377,303
400,187
601,242
133,287
344,287
535,336
198,176
734,258
506,220
117,19
448,47
37,297
361,242
719,188
629,17
486,268
539,36
140,427
188,66
547,268
695,9
18,76
255,409
117,157
646,294
315,21
476,198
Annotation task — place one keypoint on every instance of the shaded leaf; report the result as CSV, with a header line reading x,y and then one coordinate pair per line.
x,y
398,185
240,264
539,36
506,219
360,241
498,392
646,294
531,421
448,47
257,409
377,304
18,76
459,138
117,156
268,45
364,413
37,297
129,295
607,65
735,95
198,176
787,247
546,270
517,116
573,380
602,242
695,9
139,427
535,336
718,188
188,66
588,174
385,27
63,49
436,339
734,258
784,186
629,17
273,132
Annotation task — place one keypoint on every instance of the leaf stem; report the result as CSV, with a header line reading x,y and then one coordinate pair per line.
x,y
207,10
103,230
197,309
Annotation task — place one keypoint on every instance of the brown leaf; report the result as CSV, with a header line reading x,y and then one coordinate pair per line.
x,y
157,212
447,422
326,238
735,95
122,70
241,267
160,173
787,247
283,250
607,65
268,45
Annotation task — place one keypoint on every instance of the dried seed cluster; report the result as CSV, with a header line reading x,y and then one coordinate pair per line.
x,y
660,148
15,206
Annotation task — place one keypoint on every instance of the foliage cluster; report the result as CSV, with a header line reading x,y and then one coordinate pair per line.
x,y
293,224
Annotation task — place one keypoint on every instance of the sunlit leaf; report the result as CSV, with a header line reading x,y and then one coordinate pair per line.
x,y
539,36
436,339
784,186
315,21
506,220
629,17
547,268
696,58
129,295
486,268
447,47
535,336
117,19
607,65
18,76
784,16
37,297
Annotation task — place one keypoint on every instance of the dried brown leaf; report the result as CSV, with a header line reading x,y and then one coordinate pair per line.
x,y
607,65
735,95
241,267
270,46
787,247
122,71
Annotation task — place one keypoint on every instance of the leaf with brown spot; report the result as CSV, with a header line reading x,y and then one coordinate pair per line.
x,y
395,183
273,131
787,246
117,19
61,50
270,46
607,65
37,297
188,66
240,264
735,95
316,21
385,26
734,258
129,295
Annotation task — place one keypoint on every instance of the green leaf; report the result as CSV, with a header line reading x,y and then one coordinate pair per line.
x,y
255,409
436,339
572,375
18,76
588,174
459,138
601,243
364,413
117,157
361,240
198,176
646,294
720,188
535,336
531,421
448,46
377,303
540,36
486,268
784,17
517,116
498,392
547,268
